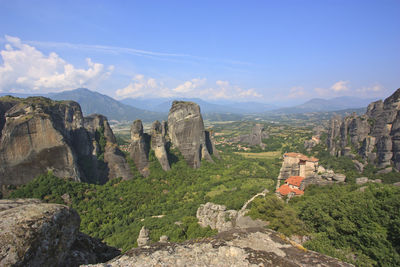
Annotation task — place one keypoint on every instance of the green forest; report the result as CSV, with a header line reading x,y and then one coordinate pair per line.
x,y
165,202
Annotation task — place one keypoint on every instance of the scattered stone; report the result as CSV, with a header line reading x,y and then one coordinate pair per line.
x,y
143,238
339,177
164,239
362,188
362,180
397,184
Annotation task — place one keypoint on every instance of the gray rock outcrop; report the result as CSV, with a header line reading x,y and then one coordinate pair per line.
x,y
40,234
158,144
239,247
375,136
216,216
186,131
115,163
40,135
140,147
257,134
143,238
219,218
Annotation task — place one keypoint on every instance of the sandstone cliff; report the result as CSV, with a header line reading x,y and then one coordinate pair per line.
x,y
159,143
186,131
375,136
39,135
140,147
239,247
40,234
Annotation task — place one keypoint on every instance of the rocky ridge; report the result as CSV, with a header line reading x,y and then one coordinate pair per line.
x,y
40,234
184,131
238,247
40,135
375,136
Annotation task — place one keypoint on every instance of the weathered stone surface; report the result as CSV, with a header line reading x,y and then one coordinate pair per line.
x,y
40,135
37,137
375,135
362,180
115,162
143,238
239,247
186,131
40,234
163,239
140,147
158,144
339,177
216,216
221,219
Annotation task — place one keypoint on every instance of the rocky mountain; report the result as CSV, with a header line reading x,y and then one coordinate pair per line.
x,y
39,135
40,234
163,105
238,247
326,105
184,130
255,137
94,102
375,136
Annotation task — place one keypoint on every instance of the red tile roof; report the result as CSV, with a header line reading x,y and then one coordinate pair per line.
x,y
285,190
294,180
300,156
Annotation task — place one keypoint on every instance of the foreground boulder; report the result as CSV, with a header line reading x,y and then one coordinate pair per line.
x,y
40,135
186,131
239,247
40,234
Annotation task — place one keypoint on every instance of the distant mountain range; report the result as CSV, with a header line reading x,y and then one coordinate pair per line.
x,y
325,105
149,110
164,104
94,102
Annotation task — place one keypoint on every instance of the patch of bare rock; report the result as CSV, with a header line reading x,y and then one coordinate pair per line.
x,y
41,234
238,247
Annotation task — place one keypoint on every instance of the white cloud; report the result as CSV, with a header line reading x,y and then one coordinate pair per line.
x,y
25,68
297,91
141,86
224,90
376,88
340,86
189,86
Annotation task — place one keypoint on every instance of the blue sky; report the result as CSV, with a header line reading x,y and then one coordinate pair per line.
x,y
268,51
